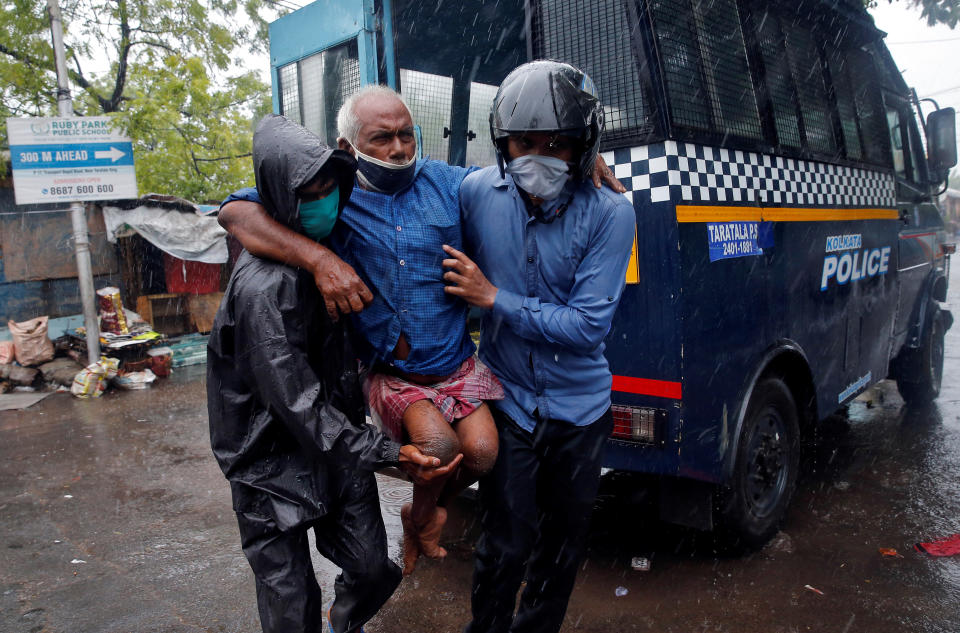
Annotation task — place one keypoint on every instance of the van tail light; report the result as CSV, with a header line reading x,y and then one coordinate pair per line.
x,y
643,425
949,249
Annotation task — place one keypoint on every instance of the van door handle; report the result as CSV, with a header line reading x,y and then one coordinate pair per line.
x,y
905,216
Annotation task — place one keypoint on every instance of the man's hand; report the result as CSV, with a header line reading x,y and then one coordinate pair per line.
x,y
423,469
602,174
468,281
342,289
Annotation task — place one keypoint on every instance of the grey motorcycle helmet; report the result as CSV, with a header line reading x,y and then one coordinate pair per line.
x,y
548,96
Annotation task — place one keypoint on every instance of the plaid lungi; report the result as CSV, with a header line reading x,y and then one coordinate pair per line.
x,y
456,396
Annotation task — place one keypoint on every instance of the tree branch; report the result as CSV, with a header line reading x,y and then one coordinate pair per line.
x,y
220,158
114,102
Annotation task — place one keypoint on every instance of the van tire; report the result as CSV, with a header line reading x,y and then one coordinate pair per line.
x,y
926,389
755,501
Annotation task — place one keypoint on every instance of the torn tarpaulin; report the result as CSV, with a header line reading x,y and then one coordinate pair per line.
x,y
946,546
177,227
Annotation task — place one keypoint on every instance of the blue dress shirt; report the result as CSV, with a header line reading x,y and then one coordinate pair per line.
x,y
394,242
559,284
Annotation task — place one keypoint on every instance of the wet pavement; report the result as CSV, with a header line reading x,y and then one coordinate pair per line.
x,y
115,518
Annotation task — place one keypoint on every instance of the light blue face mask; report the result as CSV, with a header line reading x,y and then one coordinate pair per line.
x,y
540,176
319,216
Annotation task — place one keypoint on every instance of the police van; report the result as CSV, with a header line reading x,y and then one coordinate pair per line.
x,y
788,253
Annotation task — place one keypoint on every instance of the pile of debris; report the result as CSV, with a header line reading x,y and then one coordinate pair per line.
x,y
133,354
28,363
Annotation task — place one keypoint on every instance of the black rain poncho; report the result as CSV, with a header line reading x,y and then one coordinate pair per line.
x,y
285,406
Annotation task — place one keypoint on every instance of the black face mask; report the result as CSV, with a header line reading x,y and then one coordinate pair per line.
x,y
378,175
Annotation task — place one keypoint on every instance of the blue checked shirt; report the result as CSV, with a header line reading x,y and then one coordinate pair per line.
x,y
558,287
394,243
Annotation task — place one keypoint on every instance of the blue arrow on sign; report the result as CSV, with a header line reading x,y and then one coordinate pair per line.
x,y
70,155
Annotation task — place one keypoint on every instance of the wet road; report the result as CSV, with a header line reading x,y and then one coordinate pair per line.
x,y
115,518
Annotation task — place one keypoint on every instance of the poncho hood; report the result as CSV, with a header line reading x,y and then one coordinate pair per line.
x,y
286,156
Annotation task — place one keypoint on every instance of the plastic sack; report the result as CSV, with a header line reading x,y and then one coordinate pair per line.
x,y
91,381
112,316
7,353
30,341
161,361
135,380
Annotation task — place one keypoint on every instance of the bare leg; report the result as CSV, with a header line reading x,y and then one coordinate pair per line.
x,y
422,520
477,434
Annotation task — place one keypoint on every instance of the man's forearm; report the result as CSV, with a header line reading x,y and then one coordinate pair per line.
x,y
342,289
264,237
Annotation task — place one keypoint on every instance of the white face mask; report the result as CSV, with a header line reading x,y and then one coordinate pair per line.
x,y
540,176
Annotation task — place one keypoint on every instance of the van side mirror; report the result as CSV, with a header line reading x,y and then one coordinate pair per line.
x,y
942,142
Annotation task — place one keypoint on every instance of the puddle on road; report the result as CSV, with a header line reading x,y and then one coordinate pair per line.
x,y
393,494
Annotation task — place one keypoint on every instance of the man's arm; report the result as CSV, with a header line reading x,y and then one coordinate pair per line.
x,y
342,289
584,320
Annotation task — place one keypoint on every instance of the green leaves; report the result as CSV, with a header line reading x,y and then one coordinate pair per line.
x,y
935,11
165,69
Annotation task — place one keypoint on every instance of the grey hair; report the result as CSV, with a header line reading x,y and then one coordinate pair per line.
x,y
348,123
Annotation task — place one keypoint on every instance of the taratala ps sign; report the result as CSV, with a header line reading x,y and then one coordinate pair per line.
x,y
58,159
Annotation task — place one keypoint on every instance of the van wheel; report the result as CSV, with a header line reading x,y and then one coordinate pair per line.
x,y
927,386
765,474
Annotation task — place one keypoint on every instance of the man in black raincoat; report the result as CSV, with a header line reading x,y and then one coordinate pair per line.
x,y
287,422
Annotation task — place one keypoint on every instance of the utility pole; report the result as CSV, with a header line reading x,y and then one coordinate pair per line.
x,y
78,216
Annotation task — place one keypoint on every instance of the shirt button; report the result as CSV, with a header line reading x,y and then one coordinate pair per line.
x,y
530,260
403,263
399,228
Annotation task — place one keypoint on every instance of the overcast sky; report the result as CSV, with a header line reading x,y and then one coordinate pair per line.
x,y
928,56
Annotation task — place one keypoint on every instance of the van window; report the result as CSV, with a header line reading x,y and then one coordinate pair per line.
x,y
480,150
918,156
807,70
908,157
846,106
896,142
779,82
430,98
601,46
869,105
289,92
705,67
313,89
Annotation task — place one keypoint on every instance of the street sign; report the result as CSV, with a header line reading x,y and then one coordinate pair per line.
x,y
58,159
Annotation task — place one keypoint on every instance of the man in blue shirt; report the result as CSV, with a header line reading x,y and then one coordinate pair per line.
x,y
551,255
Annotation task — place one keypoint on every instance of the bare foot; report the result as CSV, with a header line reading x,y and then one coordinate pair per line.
x,y
430,534
411,545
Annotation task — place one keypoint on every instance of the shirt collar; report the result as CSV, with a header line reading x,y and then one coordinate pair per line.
x,y
504,182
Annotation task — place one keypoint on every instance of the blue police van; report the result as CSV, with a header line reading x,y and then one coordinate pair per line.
x,y
788,252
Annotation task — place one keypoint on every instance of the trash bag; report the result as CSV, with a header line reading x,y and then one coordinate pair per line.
x,y
135,380
7,353
112,317
30,341
91,381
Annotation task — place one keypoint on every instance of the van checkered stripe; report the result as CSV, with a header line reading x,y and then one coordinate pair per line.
x,y
693,173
